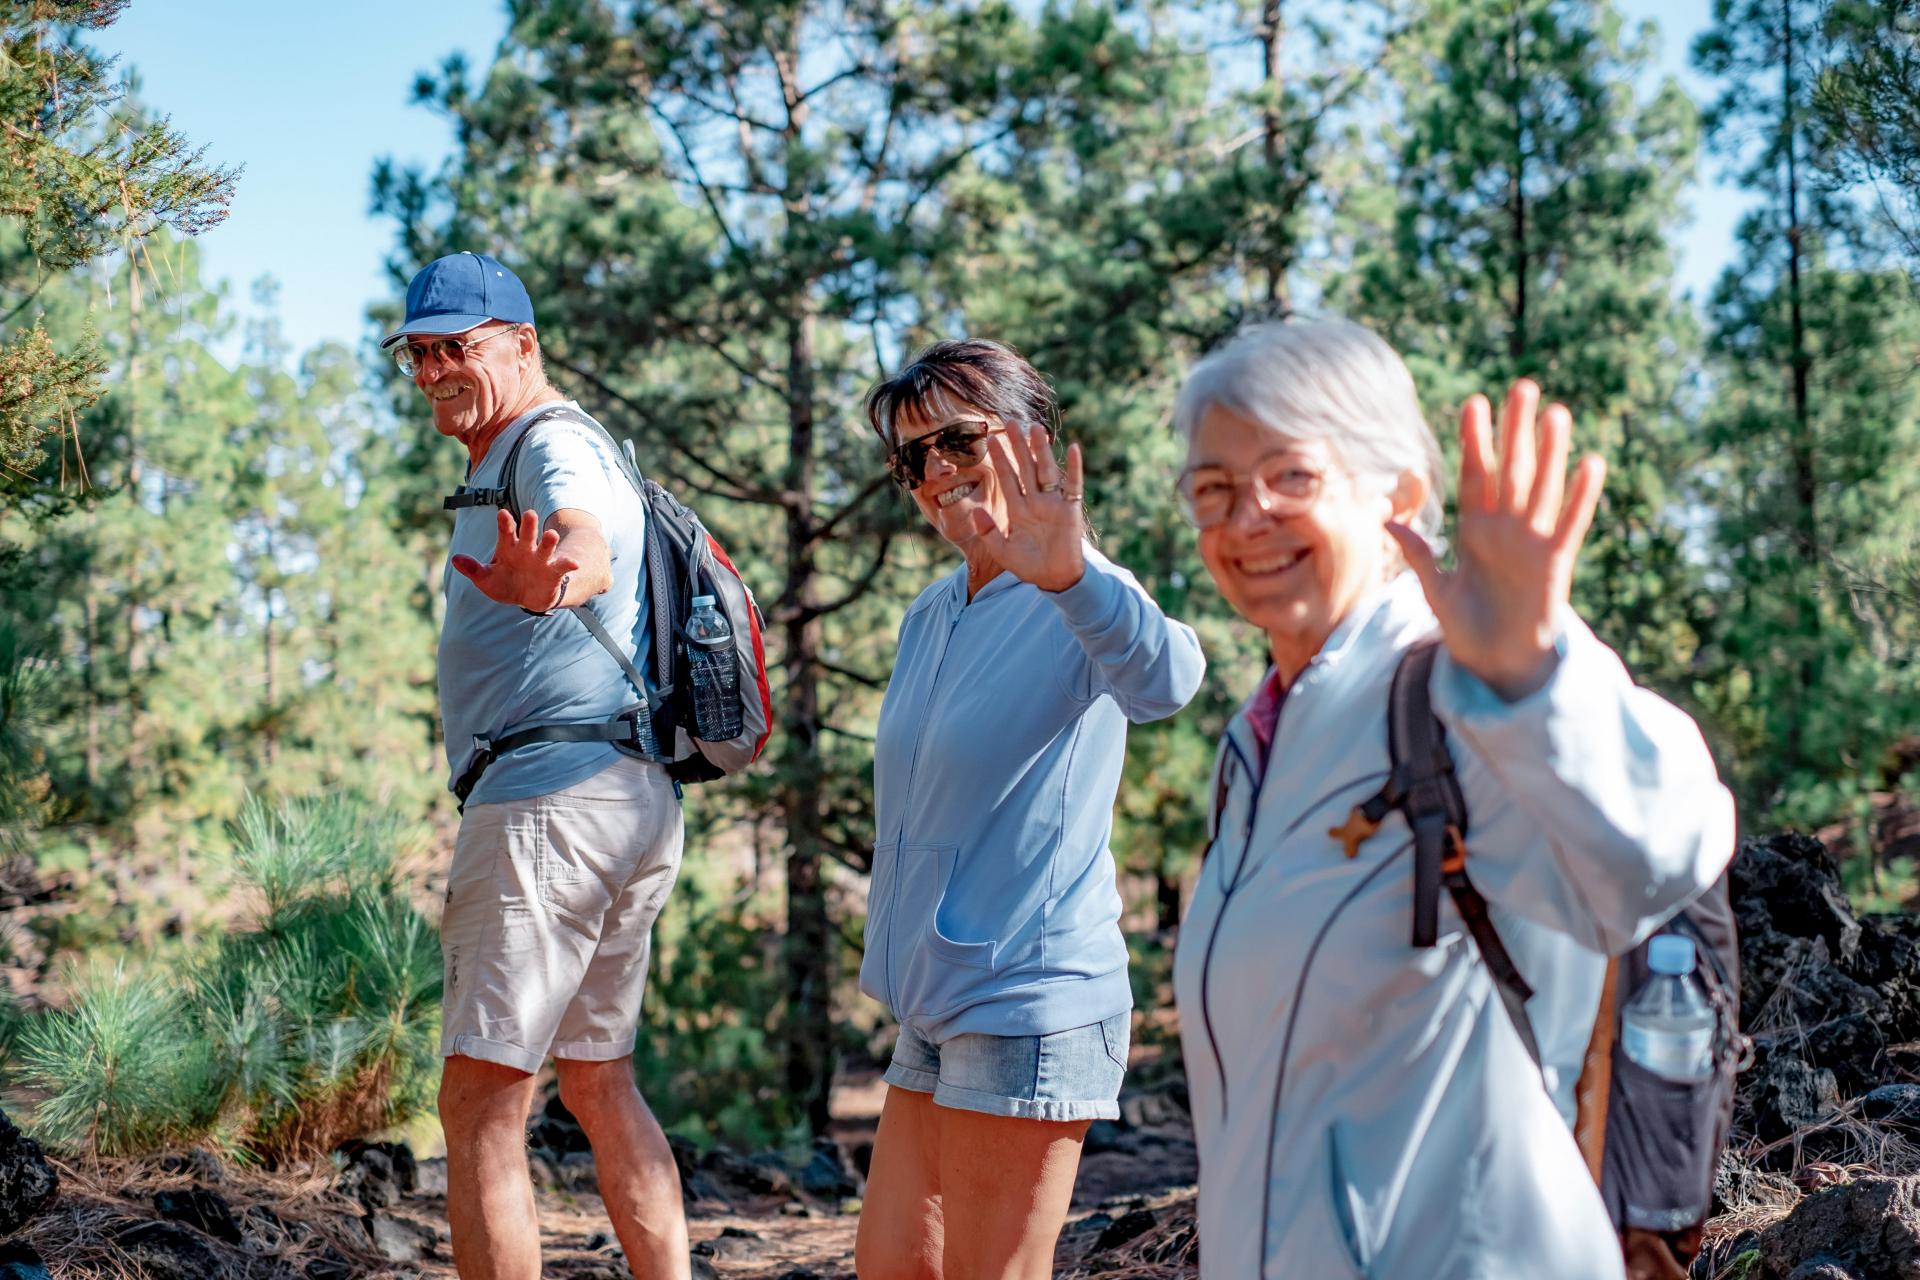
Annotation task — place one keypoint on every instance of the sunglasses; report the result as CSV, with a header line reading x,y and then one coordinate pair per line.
x,y
410,356
962,443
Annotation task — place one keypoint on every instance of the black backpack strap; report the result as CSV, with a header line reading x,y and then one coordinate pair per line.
x,y
1424,787
593,625
502,496
1422,783
626,728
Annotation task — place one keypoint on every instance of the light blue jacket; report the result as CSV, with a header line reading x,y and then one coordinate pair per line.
x,y
1366,1109
992,907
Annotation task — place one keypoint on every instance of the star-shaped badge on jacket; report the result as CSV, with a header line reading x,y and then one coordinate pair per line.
x,y
1355,831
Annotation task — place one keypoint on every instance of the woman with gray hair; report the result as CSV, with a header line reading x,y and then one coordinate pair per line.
x,y
1364,1103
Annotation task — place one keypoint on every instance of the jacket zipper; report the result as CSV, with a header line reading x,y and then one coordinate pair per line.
x,y
906,799
1227,889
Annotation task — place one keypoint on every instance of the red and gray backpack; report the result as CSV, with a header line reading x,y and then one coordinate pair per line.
x,y
1652,1144
683,561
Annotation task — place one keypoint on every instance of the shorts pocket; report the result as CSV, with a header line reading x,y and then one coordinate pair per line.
x,y
571,874
1117,1033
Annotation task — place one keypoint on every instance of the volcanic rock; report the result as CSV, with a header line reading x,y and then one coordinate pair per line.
x,y
196,1163
827,1173
1868,1229
200,1208
169,1251
400,1239
27,1181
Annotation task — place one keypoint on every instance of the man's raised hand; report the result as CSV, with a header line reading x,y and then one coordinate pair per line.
x,y
524,570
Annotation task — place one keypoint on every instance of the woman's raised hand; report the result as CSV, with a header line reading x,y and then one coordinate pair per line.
x,y
1519,531
1042,540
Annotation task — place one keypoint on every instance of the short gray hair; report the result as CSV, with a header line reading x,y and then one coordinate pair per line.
x,y
1329,380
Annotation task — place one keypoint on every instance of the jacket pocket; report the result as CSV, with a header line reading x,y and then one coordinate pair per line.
x,y
941,927
1357,1214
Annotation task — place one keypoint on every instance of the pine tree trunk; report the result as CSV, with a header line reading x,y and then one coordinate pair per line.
x,y
270,735
1517,196
1802,446
809,959
1271,31
808,1029
136,623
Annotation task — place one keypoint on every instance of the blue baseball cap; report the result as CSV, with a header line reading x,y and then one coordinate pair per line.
x,y
458,292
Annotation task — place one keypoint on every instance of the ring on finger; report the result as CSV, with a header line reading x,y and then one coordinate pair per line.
x,y
1050,488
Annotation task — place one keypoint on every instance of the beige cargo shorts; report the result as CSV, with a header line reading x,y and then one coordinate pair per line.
x,y
549,918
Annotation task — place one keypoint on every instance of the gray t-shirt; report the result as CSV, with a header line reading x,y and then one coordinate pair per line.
x,y
503,669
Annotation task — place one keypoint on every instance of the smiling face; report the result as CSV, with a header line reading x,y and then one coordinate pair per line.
x,y
949,494
1294,576
483,391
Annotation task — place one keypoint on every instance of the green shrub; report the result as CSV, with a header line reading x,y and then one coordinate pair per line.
x,y
706,1057
316,1024
122,1069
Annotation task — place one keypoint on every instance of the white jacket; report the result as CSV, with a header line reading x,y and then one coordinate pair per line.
x,y
1367,1109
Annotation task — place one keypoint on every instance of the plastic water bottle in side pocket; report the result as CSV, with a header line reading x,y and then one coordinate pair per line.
x,y
715,673
1668,1027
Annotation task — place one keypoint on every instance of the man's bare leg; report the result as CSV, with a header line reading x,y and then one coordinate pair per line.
x,y
638,1179
490,1210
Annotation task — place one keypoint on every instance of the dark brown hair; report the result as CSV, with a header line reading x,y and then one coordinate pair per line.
x,y
985,375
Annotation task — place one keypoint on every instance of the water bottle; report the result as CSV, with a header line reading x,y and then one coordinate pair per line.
x,y
1668,1026
716,674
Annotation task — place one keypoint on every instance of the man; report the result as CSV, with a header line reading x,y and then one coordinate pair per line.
x,y
566,850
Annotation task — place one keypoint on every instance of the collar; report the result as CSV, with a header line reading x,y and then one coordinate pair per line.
x,y
1381,606
1394,604
503,442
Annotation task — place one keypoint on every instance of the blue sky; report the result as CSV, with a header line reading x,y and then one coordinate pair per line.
x,y
307,96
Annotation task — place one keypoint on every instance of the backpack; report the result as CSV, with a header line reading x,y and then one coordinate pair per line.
x,y
683,561
1652,1144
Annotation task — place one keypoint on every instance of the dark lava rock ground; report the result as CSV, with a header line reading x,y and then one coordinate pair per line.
x,y
1821,1179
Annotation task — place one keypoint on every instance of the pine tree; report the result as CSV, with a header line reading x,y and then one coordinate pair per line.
x,y
1533,193
222,546
1868,101
1814,415
82,173
733,223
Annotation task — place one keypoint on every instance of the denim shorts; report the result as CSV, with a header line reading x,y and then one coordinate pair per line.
x,y
1067,1075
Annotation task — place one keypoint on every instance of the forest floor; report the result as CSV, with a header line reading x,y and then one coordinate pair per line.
x,y
1822,1166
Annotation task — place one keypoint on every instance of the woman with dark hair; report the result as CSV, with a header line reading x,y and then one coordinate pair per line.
x,y
993,919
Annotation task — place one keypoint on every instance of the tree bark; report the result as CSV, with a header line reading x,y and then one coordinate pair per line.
x,y
136,624
808,1027
1271,31
1799,367
1517,195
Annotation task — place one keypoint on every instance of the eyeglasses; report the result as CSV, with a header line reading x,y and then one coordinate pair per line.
x,y
1282,485
410,356
963,443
